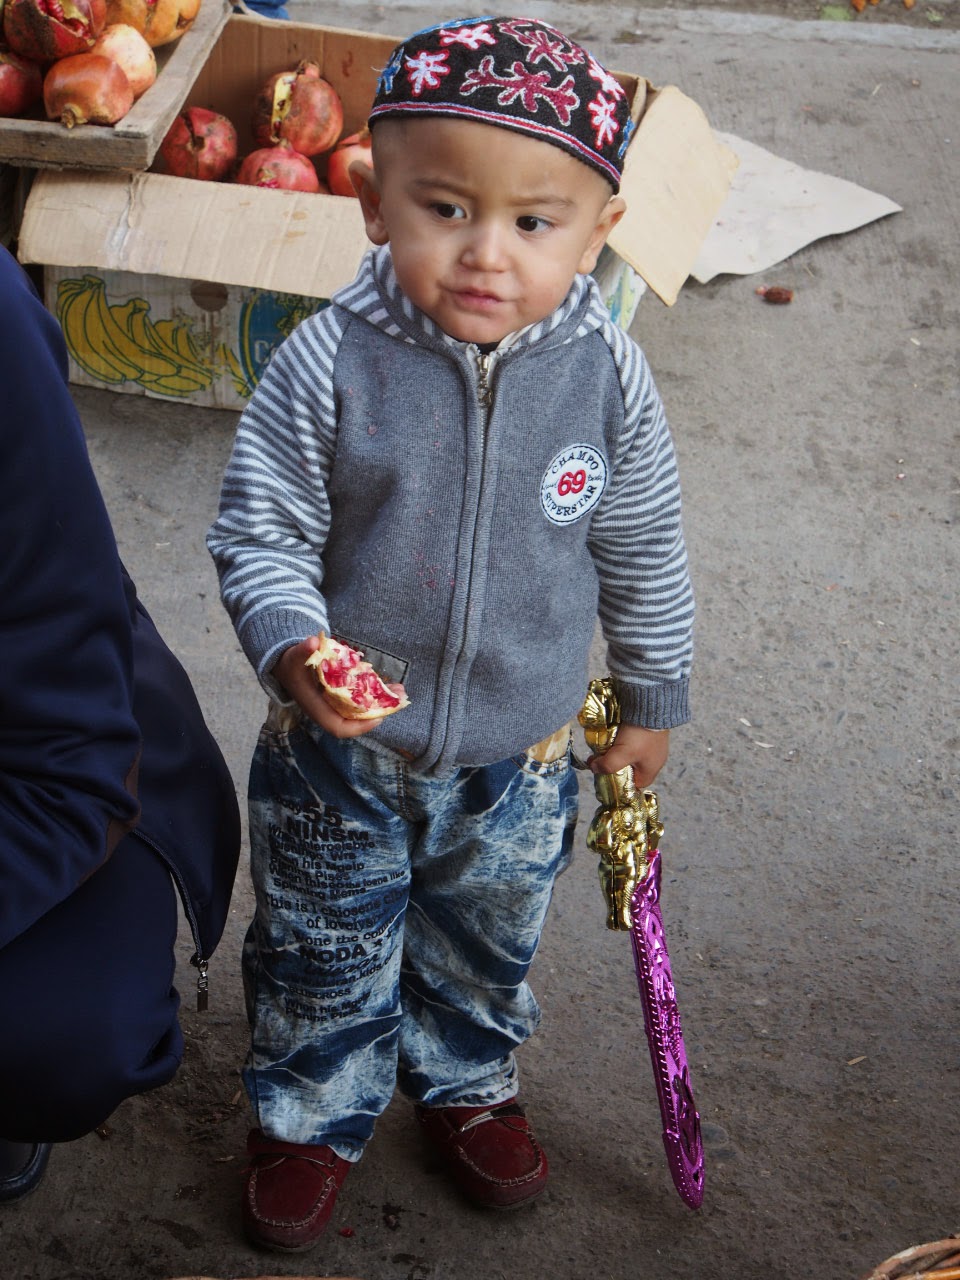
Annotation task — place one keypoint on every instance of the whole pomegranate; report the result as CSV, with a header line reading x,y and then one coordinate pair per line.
x,y
125,45
279,167
45,30
158,21
131,13
355,147
199,144
187,11
299,107
86,88
21,83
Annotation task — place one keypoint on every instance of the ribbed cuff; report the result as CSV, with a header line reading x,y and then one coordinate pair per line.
x,y
268,634
654,706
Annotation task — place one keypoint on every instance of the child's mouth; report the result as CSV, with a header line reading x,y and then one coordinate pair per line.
x,y
476,300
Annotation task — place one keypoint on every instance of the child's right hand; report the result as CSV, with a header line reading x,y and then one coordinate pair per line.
x,y
301,684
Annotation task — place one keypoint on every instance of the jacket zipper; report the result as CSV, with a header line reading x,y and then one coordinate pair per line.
x,y
198,960
484,394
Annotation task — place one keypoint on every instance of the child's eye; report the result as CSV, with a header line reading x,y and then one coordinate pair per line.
x,y
530,222
450,211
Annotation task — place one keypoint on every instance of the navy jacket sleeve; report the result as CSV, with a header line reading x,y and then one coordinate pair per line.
x,y
69,741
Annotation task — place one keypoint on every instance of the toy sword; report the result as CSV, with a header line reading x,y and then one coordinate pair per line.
x,y
625,833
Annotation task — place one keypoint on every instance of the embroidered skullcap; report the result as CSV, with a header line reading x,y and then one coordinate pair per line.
x,y
517,73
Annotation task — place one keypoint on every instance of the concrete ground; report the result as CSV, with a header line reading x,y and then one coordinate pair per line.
x,y
811,889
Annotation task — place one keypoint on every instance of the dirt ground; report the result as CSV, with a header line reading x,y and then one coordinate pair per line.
x,y
937,14
810,888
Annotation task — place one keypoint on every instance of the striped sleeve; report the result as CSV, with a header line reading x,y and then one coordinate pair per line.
x,y
636,538
274,518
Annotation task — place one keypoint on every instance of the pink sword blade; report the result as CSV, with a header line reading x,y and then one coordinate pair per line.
x,y
682,1139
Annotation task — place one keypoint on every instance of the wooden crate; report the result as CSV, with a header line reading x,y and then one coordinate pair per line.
x,y
132,142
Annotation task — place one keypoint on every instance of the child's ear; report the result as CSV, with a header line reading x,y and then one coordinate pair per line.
x,y
610,215
368,191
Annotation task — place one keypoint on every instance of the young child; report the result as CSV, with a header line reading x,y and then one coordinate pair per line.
x,y
453,468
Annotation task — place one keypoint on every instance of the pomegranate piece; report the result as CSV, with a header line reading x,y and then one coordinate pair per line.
x,y
47,30
21,83
298,107
352,685
774,293
199,144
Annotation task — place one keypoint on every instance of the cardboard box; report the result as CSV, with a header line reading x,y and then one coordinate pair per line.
x,y
133,141
205,279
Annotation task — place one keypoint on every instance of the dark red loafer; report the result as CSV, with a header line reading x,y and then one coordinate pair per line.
x,y
289,1192
490,1152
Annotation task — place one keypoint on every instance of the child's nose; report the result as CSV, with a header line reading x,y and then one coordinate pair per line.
x,y
486,247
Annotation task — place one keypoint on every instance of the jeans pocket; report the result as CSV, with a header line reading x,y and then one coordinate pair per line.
x,y
282,720
550,758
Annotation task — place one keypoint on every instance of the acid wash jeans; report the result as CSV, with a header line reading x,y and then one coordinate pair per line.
x,y
397,915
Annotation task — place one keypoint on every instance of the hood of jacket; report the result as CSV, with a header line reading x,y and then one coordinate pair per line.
x,y
376,297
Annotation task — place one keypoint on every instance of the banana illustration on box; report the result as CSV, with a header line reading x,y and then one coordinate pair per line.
x,y
118,342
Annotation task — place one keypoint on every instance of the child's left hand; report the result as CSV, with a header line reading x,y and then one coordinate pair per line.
x,y
646,750
301,684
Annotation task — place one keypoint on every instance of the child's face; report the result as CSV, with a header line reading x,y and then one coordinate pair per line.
x,y
487,227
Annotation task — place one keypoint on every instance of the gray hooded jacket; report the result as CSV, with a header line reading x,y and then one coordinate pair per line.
x,y
461,518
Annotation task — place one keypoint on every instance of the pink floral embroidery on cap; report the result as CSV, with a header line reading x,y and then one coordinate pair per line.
x,y
473,37
426,71
602,118
529,87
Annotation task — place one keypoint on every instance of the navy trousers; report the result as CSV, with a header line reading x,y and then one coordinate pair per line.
x,y
88,1009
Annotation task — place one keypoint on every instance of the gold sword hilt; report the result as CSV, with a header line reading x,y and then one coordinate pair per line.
x,y
626,828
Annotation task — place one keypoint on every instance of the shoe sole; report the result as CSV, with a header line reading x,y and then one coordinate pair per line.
x,y
272,1246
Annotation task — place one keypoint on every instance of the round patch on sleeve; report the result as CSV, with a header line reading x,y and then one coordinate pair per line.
x,y
573,483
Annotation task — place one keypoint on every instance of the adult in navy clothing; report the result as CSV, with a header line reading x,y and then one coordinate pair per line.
x,y
113,794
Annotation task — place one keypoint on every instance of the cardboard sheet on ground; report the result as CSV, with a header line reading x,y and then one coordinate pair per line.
x,y
774,208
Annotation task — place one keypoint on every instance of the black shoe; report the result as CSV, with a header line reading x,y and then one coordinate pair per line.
x,y
21,1168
